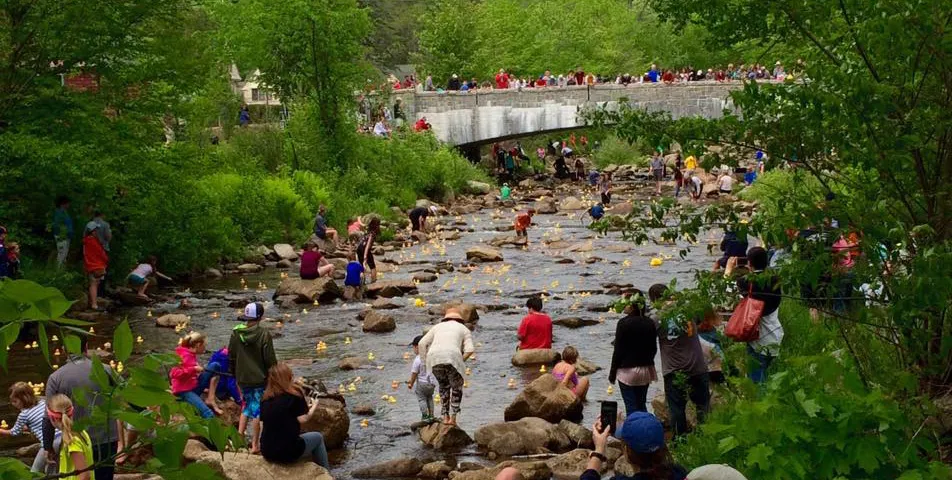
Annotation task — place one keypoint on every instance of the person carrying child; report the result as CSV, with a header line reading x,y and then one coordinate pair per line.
x,y
76,452
189,379
32,410
139,276
565,372
424,382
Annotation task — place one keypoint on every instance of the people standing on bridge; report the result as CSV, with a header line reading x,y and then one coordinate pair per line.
x,y
428,84
502,80
453,83
653,74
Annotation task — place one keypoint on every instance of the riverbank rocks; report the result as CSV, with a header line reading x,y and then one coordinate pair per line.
x,y
585,367
575,322
513,240
213,273
245,466
581,247
193,449
580,436
546,207
479,187
246,268
570,204
571,465
534,356
384,303
444,437
547,399
284,264
285,251
172,320
390,288
401,467
623,208
350,363
378,322
435,470
483,254
331,420
307,291
527,436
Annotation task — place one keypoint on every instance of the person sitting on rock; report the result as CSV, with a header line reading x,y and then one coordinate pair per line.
x,y
354,230
535,331
189,379
283,411
522,223
313,264
321,230
565,372
645,449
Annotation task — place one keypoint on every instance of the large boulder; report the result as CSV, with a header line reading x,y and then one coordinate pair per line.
x,y
436,470
479,187
424,277
534,356
483,254
715,472
444,437
28,451
586,367
350,363
285,251
623,208
401,467
323,289
245,466
466,310
514,240
581,247
249,268
378,322
527,436
545,398
580,436
546,206
384,303
332,421
172,320
390,288
570,204
193,450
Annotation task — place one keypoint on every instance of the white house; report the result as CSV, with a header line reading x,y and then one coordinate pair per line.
x,y
251,90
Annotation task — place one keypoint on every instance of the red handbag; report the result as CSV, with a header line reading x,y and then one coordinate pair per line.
x,y
744,325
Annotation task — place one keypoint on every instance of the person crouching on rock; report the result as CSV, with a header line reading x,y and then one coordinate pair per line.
x,y
189,379
445,347
313,264
565,372
522,223
283,411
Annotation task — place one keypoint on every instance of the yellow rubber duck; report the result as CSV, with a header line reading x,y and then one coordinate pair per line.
x,y
341,389
364,423
656,261
55,366
92,330
512,383
395,384
370,356
351,388
56,352
610,390
55,338
392,399
139,339
149,314
406,355
436,398
28,346
542,369
3,424
346,340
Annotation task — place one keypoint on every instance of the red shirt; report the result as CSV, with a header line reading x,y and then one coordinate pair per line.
x,y
309,261
523,220
535,331
502,80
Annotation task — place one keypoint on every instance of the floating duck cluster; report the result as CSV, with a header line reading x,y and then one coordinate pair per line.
x,y
511,384
321,346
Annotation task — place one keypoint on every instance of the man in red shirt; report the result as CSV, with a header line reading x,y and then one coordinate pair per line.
x,y
502,80
535,331
579,75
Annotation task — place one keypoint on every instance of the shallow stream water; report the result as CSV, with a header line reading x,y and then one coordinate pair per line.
x,y
573,289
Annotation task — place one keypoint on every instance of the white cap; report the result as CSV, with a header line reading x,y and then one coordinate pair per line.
x,y
715,472
253,311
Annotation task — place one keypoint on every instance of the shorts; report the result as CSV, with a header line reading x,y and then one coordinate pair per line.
x,y
252,399
415,223
606,198
725,192
371,264
658,174
521,233
136,280
96,275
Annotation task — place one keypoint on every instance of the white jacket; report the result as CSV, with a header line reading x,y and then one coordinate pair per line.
x,y
446,343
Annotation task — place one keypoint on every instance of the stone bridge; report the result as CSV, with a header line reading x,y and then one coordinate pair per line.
x,y
471,118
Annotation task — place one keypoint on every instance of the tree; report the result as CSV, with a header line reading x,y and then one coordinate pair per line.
x,y
867,118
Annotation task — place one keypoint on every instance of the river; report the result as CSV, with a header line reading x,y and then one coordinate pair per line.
x,y
573,289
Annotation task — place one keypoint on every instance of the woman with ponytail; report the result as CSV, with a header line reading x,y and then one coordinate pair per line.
x,y
76,454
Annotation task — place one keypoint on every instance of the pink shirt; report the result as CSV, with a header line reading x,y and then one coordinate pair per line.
x,y
184,377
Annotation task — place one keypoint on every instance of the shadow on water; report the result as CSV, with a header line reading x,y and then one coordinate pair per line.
x,y
501,286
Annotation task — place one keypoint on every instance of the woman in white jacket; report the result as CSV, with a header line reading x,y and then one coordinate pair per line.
x,y
444,349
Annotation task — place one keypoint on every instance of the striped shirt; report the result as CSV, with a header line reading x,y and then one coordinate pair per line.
x,y
31,418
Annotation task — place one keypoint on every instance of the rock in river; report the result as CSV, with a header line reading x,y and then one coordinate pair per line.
x,y
401,467
323,289
444,437
483,254
378,322
534,356
575,322
390,288
285,251
545,398
245,466
172,320
527,436
332,421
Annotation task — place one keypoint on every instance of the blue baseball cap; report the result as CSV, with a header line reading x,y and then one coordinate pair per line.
x,y
642,432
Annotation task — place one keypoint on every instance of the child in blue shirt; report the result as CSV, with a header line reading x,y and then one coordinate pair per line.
x,y
353,279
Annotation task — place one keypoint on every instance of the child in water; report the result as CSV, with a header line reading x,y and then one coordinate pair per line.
x,y
505,193
425,382
565,372
139,276
76,453
353,279
523,220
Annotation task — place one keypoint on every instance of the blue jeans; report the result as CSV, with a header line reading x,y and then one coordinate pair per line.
x,y
677,189
195,400
314,448
635,398
758,373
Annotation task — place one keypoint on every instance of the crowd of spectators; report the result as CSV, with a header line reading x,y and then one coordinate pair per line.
x,y
505,80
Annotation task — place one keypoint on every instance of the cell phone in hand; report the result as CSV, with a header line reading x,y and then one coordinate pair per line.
x,y
609,415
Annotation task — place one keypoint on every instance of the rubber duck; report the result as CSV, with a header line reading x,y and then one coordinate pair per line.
x,y
119,367
55,338
394,384
542,369
55,366
3,424
139,339
352,388
436,398
512,383
92,330
406,355
392,399
27,346
364,423
316,303
57,352
346,340
469,371
149,314
341,389
370,356
610,390
656,261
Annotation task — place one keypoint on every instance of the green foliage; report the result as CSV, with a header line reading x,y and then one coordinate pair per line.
x,y
477,38
615,151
